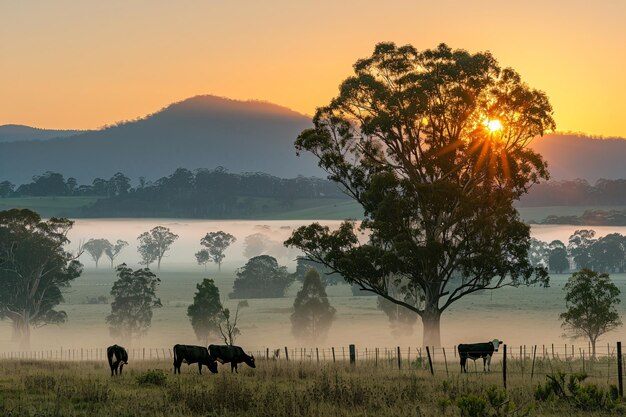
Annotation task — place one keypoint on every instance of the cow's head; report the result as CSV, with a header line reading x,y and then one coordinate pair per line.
x,y
496,343
249,360
212,365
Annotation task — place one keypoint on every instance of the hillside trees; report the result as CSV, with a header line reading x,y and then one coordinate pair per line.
x,y
134,298
34,270
591,302
154,244
433,146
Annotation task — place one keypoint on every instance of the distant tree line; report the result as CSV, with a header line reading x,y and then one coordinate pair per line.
x,y
606,254
576,192
185,193
590,218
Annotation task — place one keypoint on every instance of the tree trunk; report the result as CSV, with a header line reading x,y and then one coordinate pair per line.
x,y
219,267
593,348
431,320
24,329
159,264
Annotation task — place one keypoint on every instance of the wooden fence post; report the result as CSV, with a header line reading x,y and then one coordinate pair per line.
x,y
504,366
620,380
532,370
352,354
399,359
445,360
317,353
333,349
286,354
430,362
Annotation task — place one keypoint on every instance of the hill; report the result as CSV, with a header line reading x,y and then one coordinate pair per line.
x,y
18,133
200,132
573,156
241,136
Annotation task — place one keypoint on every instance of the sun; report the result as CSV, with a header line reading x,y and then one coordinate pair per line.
x,y
494,125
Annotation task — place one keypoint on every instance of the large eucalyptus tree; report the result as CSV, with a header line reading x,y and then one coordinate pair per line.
x,y
433,146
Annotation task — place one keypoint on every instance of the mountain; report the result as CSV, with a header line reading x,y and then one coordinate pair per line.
x,y
17,133
200,132
572,156
241,136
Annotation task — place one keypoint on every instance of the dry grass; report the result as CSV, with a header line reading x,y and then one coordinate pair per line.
x,y
274,388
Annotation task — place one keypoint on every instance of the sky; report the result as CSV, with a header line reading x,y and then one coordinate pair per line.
x,y
82,64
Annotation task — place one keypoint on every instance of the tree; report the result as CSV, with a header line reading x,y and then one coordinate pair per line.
x,y
591,303
203,257
433,146
607,253
96,248
206,312
401,319
154,244
327,276
6,189
578,247
255,244
261,277
312,313
134,298
34,270
557,258
228,327
217,243
113,250
538,252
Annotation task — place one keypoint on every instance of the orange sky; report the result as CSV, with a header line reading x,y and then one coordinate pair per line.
x,y
84,64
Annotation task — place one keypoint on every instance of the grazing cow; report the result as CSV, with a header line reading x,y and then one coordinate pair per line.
x,y
193,354
478,350
232,354
117,356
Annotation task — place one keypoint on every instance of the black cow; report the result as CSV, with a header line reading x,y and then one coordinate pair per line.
x,y
117,356
193,354
232,354
478,350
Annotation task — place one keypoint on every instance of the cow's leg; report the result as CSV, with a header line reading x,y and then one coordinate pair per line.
x,y
121,366
233,367
463,364
200,367
489,363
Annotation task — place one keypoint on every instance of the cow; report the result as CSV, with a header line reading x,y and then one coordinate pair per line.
x,y
193,354
232,354
117,356
478,350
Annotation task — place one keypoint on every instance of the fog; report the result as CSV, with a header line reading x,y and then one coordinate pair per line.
x,y
517,316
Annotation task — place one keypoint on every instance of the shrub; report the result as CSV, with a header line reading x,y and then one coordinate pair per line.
x,y
152,377
587,397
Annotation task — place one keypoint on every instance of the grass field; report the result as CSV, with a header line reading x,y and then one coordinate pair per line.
x,y
274,388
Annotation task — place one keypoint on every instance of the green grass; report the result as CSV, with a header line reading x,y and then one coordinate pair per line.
x,y
49,206
275,388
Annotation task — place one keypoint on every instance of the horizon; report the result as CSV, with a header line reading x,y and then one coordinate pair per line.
x,y
83,66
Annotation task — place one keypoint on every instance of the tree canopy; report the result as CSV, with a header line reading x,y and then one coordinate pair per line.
x,y
312,313
206,311
433,145
34,270
591,301
261,277
154,243
216,244
134,298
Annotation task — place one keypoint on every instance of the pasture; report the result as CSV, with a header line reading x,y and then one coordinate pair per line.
x,y
274,388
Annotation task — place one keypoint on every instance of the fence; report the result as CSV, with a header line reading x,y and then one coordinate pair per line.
x,y
524,361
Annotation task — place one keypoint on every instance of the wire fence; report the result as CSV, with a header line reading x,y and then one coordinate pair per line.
x,y
523,361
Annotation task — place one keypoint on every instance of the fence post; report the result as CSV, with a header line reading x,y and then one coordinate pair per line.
x,y
317,353
286,354
430,362
333,349
532,369
445,360
376,360
504,366
399,359
620,380
352,354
